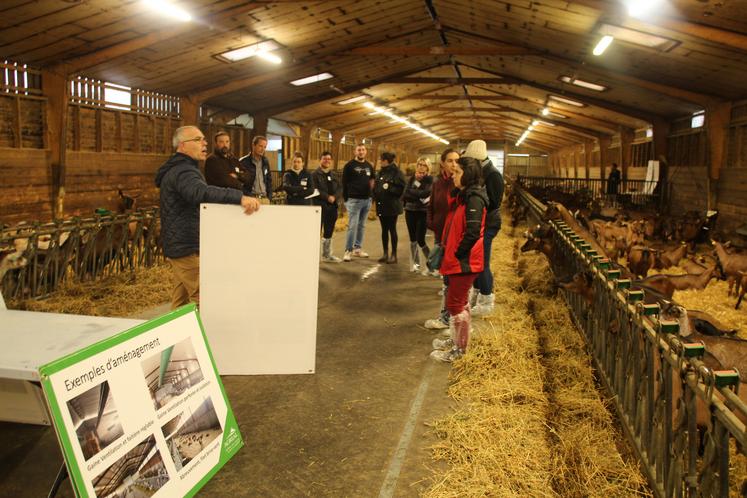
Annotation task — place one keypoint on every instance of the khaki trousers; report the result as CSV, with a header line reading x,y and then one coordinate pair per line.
x,y
186,276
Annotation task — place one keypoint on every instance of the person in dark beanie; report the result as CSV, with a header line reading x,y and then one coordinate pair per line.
x,y
417,197
182,189
388,190
484,299
463,258
326,182
297,183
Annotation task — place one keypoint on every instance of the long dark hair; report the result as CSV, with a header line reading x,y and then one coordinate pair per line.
x,y
472,171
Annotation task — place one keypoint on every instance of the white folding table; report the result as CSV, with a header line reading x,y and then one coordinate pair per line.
x,y
30,339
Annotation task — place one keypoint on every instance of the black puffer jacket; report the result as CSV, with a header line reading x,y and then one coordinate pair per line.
x,y
388,190
415,194
183,188
494,186
328,184
298,186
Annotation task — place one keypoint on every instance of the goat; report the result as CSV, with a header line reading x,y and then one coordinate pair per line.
x,y
671,258
731,265
742,287
667,284
641,260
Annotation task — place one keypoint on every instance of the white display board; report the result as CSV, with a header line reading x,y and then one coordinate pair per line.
x,y
259,282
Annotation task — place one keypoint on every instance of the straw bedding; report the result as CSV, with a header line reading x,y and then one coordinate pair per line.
x,y
529,419
120,295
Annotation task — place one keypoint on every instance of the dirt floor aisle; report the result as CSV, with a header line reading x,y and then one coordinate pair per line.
x,y
355,428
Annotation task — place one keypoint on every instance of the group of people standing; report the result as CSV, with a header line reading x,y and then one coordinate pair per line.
x,y
460,205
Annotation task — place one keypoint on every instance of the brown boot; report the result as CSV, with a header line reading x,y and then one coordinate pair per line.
x,y
392,259
384,258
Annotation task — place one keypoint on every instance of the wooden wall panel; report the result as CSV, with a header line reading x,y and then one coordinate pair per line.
x,y
25,185
32,123
7,121
87,129
732,197
128,132
688,188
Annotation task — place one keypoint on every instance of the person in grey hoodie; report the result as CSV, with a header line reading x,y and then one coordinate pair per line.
x,y
182,189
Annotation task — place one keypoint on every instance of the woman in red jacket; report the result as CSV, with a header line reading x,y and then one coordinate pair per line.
x,y
463,258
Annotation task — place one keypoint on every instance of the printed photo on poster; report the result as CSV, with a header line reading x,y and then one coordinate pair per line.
x,y
95,418
139,473
191,431
172,372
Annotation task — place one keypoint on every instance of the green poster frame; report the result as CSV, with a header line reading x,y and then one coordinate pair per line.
x,y
230,445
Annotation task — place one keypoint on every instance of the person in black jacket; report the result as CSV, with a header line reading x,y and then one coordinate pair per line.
x,y
483,299
357,182
388,189
326,182
258,179
182,189
222,168
417,198
613,184
298,183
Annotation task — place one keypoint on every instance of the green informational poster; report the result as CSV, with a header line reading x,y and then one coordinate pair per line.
x,y
144,412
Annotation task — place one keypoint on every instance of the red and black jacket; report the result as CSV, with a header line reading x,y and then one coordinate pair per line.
x,y
463,232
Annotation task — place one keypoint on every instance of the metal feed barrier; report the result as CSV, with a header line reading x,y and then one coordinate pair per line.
x,y
81,249
631,193
657,382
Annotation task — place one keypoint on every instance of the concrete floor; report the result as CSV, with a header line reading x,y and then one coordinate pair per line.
x,y
354,428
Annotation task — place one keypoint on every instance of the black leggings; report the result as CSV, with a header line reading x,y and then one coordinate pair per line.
x,y
329,218
388,225
416,226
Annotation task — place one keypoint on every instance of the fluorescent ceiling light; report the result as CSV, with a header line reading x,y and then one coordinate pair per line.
x,y
637,37
535,122
583,84
556,115
168,9
312,79
260,49
602,45
545,123
270,57
564,100
545,111
518,155
642,8
406,122
357,98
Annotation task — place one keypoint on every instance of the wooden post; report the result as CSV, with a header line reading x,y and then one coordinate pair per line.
x,y
717,119
260,126
588,156
661,134
189,108
626,150
604,146
307,133
336,148
54,86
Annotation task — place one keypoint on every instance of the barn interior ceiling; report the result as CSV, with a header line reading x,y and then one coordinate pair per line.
x,y
460,69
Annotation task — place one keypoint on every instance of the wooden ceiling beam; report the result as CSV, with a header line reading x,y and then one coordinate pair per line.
x,y
440,50
334,94
461,97
603,104
419,80
668,90
685,26
77,64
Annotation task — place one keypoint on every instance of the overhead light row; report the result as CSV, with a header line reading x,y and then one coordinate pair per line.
x,y
399,119
524,135
583,84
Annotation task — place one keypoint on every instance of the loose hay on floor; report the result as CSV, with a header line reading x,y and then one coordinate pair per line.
x,y
120,295
529,420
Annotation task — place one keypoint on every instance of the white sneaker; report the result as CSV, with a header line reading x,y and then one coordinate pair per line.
x,y
360,253
446,356
484,305
331,259
348,256
415,268
443,344
435,324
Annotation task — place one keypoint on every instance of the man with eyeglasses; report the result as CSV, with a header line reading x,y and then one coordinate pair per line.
x,y
259,180
182,190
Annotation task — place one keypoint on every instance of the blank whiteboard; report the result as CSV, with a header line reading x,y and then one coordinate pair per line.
x,y
259,282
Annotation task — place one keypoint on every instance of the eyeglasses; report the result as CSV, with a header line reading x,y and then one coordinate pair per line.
x,y
196,139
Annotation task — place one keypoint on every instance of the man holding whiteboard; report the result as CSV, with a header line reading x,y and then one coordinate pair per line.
x,y
182,190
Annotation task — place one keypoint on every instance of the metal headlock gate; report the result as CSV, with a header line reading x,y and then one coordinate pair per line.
x,y
678,414
80,249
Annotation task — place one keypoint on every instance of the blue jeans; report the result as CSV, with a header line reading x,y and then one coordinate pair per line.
x,y
484,280
357,214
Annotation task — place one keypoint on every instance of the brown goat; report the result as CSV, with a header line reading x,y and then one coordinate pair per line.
x,y
667,284
670,258
641,260
731,265
741,288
